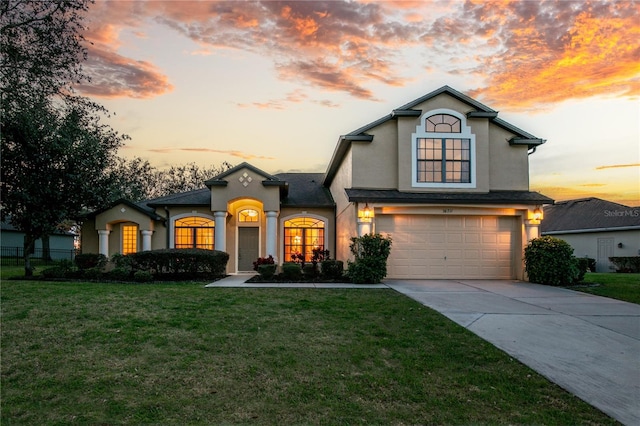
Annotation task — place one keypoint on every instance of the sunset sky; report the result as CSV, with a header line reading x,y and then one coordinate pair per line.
x,y
276,83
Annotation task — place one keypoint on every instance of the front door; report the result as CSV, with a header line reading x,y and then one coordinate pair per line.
x,y
248,241
605,250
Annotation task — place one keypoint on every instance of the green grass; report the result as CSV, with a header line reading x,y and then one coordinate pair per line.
x,y
79,353
616,286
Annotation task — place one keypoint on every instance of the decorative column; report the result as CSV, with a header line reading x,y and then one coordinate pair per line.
x,y
364,226
146,240
103,235
532,229
272,234
220,230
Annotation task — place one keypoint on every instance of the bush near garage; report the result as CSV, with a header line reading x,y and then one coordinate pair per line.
x,y
629,264
370,253
549,260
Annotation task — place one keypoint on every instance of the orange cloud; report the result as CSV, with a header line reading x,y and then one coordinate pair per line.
x,y
232,153
615,166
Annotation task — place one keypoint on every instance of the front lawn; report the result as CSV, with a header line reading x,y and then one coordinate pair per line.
x,y
174,354
617,286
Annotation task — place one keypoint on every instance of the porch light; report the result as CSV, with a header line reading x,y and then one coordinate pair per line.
x,y
366,212
537,214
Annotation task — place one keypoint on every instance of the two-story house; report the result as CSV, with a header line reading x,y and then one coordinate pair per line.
x,y
442,175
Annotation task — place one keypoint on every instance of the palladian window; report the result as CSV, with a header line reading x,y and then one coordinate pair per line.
x,y
443,152
301,236
194,232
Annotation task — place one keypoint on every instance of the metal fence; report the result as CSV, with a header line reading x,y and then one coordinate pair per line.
x,y
14,256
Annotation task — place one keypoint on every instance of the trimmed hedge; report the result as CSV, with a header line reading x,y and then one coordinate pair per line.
x,y
175,264
626,263
370,252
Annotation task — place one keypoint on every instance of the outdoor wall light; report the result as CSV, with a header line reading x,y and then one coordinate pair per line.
x,y
366,212
537,214
620,245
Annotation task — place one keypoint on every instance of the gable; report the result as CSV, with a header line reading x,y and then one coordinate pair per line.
x,y
406,118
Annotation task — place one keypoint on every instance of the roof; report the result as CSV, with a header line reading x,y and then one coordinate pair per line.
x,y
491,197
479,111
306,190
269,180
588,215
197,197
141,207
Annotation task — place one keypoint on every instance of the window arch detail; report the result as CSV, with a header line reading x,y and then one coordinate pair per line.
x,y
191,231
443,151
248,216
303,234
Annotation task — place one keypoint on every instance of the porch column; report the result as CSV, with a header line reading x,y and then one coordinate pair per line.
x,y
272,234
220,230
532,229
364,226
146,240
103,235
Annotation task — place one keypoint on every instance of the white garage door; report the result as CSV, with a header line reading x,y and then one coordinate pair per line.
x,y
450,246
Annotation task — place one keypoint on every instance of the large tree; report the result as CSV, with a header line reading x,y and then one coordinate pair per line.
x,y
55,150
136,179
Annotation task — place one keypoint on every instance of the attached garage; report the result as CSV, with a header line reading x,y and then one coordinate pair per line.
x,y
451,247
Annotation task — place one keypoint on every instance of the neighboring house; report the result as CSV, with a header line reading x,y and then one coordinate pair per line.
x,y
595,228
61,244
442,175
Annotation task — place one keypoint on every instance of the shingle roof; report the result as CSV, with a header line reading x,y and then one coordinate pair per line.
x,y
197,197
306,190
588,214
491,197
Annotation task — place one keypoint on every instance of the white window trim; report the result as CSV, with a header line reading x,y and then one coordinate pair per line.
x,y
172,226
465,133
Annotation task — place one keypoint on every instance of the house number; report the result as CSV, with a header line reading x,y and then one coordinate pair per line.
x,y
447,210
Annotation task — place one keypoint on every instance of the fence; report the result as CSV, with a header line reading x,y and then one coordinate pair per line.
x,y
14,256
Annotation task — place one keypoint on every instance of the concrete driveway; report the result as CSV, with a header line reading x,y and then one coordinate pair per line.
x,y
589,345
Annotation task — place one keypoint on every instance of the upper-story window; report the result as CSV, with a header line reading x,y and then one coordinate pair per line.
x,y
443,151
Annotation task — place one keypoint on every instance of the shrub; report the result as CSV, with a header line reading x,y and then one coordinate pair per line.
x,y
370,253
143,276
291,271
267,270
90,260
309,270
584,264
62,269
119,274
626,263
263,261
332,269
92,273
549,260
169,264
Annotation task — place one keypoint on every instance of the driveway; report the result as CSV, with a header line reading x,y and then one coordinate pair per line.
x,y
589,345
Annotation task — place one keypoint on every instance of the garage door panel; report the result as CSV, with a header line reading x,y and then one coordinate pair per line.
x,y
450,246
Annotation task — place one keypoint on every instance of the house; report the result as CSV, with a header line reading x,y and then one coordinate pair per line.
x,y
61,243
595,228
443,176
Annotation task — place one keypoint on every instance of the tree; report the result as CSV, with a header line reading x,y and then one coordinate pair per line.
x,y
53,167
137,180
55,150
42,47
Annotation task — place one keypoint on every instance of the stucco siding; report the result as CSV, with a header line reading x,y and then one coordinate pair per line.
x,y
240,186
375,163
509,165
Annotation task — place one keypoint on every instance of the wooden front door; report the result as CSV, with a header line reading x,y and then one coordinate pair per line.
x,y
248,241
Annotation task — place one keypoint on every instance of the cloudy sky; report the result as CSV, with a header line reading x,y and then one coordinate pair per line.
x,y
275,83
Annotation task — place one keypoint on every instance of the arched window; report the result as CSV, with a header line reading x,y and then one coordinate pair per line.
x,y
443,151
248,216
194,232
301,236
